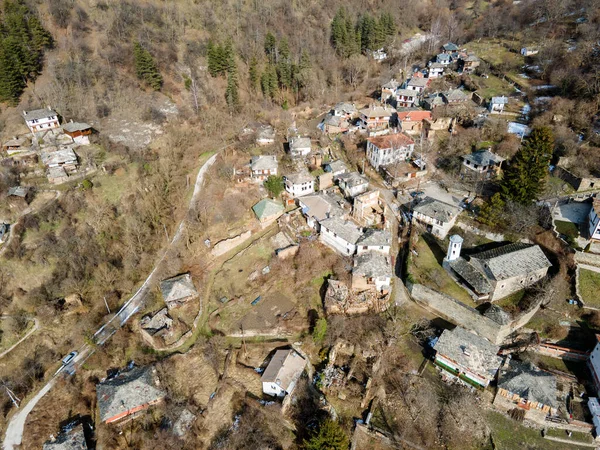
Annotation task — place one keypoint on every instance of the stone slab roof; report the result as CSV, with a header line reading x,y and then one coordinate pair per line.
x,y
38,114
418,82
345,108
512,260
407,92
497,314
63,156
529,382
128,390
353,179
267,208
377,111
263,162
73,439
285,367
299,142
376,238
483,158
471,275
372,265
437,209
321,206
337,166
393,84
18,191
178,288
470,351
450,47
499,100
343,228
71,127
265,132
300,177
456,95
56,172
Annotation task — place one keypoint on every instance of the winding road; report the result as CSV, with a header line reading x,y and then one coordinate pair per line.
x,y
16,424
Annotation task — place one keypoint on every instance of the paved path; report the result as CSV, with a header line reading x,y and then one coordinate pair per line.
x,y
16,424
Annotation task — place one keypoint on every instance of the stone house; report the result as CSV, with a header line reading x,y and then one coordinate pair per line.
x,y
566,170
335,124
267,211
374,240
352,184
593,364
456,97
389,149
340,234
368,209
483,162
372,271
299,146
375,120
433,101
65,158
15,145
497,104
345,110
470,63
406,98
594,407
283,372
321,206
178,290
41,120
437,217
340,299
529,51
72,438
336,167
467,356
265,135
449,47
497,273
128,393
436,70
529,388
402,172
299,184
262,167
443,59
431,127
78,131
57,175
388,90
411,122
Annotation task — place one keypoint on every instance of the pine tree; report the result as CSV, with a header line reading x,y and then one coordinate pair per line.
x,y
491,212
253,73
270,46
330,436
524,178
145,67
231,93
264,84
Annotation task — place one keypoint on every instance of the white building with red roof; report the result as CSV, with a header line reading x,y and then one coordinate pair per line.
x,y
389,149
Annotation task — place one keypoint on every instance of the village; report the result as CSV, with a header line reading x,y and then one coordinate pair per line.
x,y
355,213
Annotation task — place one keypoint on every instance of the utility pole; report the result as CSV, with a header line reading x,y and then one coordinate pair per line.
x,y
12,396
106,303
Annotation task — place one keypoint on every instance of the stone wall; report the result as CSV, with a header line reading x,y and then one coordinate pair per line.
x,y
460,314
225,245
578,183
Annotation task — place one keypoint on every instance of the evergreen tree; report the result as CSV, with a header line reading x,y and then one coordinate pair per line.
x,y
231,93
145,67
270,46
253,73
265,85
330,436
491,212
274,185
524,178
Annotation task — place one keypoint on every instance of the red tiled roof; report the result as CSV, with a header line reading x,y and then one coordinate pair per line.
x,y
414,116
391,141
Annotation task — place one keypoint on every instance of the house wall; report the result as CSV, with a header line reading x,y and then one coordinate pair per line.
x,y
44,124
273,389
439,229
131,411
506,287
594,365
336,242
383,156
385,249
362,283
261,175
465,371
298,190
594,224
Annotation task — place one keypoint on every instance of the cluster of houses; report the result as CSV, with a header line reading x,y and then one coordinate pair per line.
x,y
49,142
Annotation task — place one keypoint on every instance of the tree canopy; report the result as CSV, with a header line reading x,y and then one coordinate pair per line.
x,y
22,44
525,176
330,436
368,33
145,67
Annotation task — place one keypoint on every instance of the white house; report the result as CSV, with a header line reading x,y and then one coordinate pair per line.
x,y
352,184
262,167
436,69
594,220
265,135
282,373
374,240
340,234
299,184
336,167
438,217
497,104
529,51
41,119
299,146
418,84
389,149
406,98
444,59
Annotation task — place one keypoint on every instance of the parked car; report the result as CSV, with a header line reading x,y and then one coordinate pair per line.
x,y
67,359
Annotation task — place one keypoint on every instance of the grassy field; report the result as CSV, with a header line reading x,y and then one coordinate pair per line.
x,y
494,52
575,435
492,86
589,286
567,228
426,269
510,303
509,434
